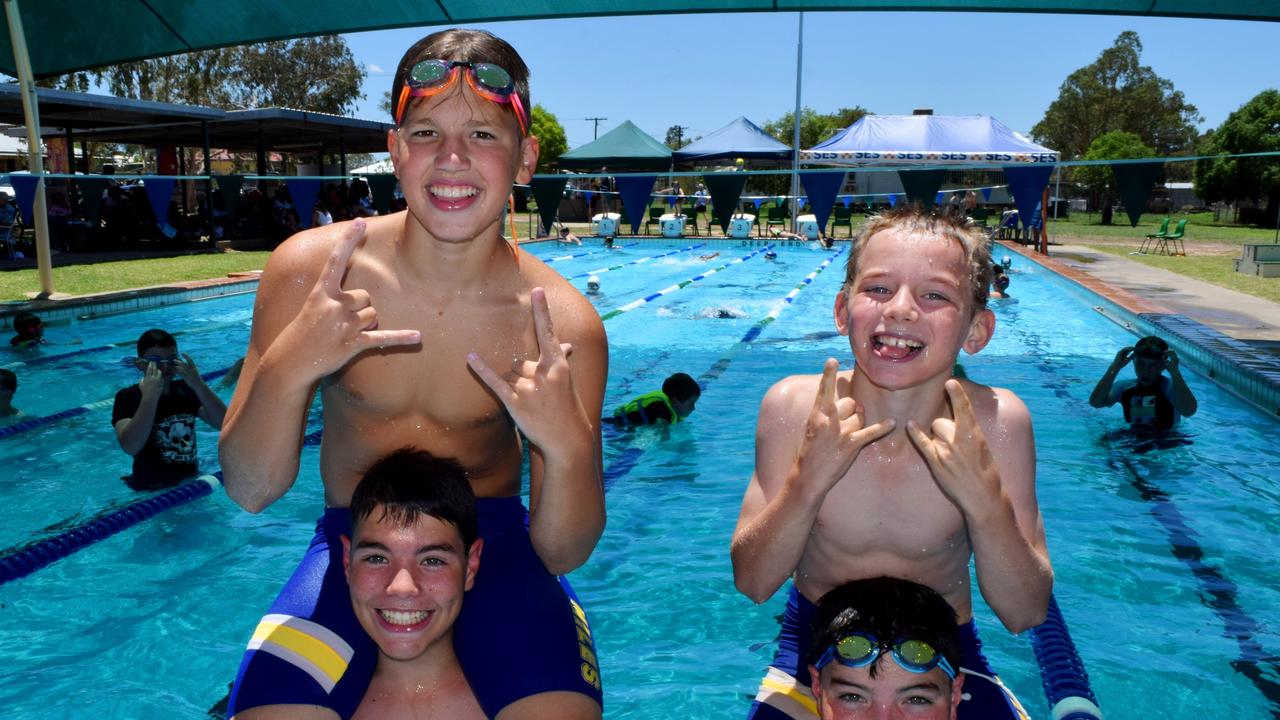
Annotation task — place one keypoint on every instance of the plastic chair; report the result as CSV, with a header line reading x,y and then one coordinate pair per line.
x,y
1171,244
841,216
691,220
655,216
1151,239
980,216
777,216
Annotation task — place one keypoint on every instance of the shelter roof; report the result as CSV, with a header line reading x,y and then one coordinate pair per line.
x,y
625,147
739,139
927,139
81,34
63,108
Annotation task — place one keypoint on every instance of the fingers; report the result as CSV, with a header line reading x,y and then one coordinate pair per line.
x,y
827,385
868,435
340,259
548,344
356,300
489,377
922,441
389,338
961,408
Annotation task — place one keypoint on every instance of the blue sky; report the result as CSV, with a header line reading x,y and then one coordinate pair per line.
x,y
702,71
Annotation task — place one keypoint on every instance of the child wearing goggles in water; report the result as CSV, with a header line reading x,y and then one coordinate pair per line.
x,y
428,328
895,468
1151,400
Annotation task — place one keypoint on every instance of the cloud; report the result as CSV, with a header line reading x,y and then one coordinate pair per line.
x,y
375,68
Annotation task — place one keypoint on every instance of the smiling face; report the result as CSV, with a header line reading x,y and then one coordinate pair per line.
x,y
407,582
847,693
909,310
456,155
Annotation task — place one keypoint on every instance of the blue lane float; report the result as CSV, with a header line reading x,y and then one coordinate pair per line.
x,y
611,268
559,258
679,286
25,560
1066,683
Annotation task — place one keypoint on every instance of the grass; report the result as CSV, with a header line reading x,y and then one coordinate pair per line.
x,y
126,274
1217,268
1079,227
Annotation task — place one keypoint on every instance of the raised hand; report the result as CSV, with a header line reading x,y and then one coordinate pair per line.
x,y
539,395
834,433
1122,357
335,325
152,383
187,368
957,453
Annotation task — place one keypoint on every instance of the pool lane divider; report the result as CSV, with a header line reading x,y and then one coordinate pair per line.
x,y
679,286
559,258
634,262
42,421
22,561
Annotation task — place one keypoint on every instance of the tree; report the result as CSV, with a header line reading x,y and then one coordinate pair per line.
x,y
1117,92
551,138
675,137
814,126
1255,127
1115,145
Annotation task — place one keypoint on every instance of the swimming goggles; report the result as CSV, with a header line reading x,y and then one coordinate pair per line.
x,y
434,76
861,649
163,360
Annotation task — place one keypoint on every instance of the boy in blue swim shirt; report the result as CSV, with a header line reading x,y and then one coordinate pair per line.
x,y
895,468
427,328
1151,400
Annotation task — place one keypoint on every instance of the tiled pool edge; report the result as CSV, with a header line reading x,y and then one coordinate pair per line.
x,y
90,306
1227,361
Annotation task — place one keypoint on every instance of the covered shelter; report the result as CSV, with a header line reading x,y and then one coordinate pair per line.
x,y
625,147
739,139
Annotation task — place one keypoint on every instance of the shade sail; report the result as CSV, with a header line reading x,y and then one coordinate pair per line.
x,y
79,34
927,140
739,139
625,147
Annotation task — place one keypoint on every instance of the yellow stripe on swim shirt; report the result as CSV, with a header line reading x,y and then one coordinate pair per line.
x,y
313,648
784,693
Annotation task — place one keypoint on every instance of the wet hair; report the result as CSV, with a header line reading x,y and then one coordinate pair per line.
x,y
155,337
681,387
891,609
466,46
410,483
912,219
25,322
1150,346
9,379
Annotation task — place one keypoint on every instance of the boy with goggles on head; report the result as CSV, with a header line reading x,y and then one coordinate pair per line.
x,y
426,328
1150,400
885,648
895,468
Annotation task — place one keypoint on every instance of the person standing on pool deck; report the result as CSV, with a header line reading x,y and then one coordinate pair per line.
x,y
400,321
1150,400
895,468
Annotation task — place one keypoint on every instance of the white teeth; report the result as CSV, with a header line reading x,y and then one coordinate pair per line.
x,y
452,191
899,342
403,617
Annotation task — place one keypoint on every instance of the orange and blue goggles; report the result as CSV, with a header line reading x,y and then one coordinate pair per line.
x,y
489,81
861,649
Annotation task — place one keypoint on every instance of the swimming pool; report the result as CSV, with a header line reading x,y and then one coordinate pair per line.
x,y
1163,557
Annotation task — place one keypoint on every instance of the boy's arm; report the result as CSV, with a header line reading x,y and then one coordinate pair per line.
x,y
305,327
212,409
1101,395
1183,401
557,407
132,432
997,500
793,475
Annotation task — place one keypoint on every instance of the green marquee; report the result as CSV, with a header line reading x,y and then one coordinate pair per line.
x,y
72,35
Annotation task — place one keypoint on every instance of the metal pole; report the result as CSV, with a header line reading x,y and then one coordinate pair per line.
x,y
795,135
1057,193
31,115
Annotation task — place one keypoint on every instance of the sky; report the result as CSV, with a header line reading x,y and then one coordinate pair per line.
x,y
702,71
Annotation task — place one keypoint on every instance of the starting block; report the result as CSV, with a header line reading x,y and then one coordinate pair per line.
x,y
603,224
808,226
672,225
740,225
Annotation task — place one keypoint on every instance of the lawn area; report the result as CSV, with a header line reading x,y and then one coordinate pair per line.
x,y
126,274
1217,268
1080,228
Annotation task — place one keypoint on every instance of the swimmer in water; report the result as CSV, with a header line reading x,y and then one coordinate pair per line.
x,y
709,256
593,285
673,403
771,255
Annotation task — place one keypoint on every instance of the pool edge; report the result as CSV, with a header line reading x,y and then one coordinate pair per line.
x,y
112,303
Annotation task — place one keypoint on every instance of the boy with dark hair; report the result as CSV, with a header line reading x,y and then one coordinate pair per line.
x,y
895,468
885,647
8,386
412,553
155,419
673,403
28,330
1150,400
401,320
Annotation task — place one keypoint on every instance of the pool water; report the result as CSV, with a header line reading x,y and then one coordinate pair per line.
x,y
1164,556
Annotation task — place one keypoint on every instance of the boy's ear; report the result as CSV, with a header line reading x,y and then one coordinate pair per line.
x,y
473,562
815,687
841,311
393,147
956,694
530,150
346,557
981,328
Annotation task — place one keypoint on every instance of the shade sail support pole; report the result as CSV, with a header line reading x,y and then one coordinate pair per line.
x,y
35,161
795,133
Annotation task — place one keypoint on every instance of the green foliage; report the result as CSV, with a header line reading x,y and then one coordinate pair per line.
x,y
814,126
1117,92
1255,127
551,138
675,137
1114,145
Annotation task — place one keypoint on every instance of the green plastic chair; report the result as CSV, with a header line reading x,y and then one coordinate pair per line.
x,y
778,215
841,216
655,216
1150,241
691,220
1171,244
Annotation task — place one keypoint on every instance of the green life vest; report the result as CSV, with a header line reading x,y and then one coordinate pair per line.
x,y
641,403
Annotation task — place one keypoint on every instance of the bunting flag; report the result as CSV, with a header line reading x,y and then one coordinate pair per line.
x,y
758,201
303,191
893,200
725,189
382,188
847,199
91,190
547,192
230,186
821,189
1027,184
922,185
938,200
159,189
24,186
986,194
586,197
1134,180
635,192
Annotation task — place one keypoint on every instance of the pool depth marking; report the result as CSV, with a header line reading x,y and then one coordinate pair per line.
x,y
678,286
634,262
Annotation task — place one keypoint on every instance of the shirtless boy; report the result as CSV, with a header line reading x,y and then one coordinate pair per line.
x,y
894,468
427,328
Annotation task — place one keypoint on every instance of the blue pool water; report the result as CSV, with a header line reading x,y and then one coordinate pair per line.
x,y
1164,557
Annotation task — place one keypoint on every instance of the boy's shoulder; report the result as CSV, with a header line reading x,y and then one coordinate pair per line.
x,y
996,405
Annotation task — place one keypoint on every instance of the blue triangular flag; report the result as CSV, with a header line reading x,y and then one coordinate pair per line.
x,y
159,190
304,192
24,186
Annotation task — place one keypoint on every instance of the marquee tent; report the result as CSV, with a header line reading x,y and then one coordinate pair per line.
x,y
739,139
625,147
927,140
